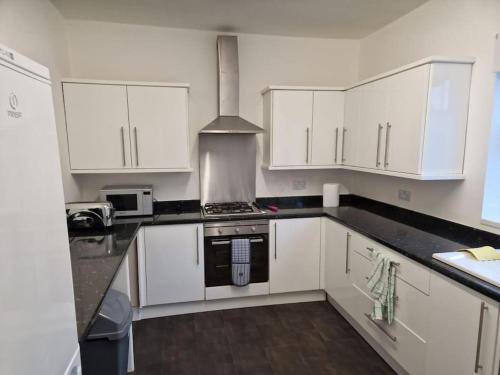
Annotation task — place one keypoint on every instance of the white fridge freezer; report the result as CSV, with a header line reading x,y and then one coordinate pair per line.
x,y
37,312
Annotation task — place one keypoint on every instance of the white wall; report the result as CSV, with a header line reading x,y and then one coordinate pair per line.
x,y
440,27
36,29
144,53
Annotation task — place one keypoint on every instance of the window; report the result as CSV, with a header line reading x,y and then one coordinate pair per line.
x,y
491,200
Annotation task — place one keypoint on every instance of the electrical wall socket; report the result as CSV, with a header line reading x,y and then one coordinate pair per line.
x,y
404,195
299,185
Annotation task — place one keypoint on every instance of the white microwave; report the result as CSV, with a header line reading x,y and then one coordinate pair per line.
x,y
129,200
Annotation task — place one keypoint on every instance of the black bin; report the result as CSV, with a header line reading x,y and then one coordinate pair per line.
x,y
105,351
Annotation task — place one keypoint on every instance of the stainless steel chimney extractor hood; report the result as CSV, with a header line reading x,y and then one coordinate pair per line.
x,y
229,121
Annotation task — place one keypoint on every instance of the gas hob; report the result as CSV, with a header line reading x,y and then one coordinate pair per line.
x,y
230,209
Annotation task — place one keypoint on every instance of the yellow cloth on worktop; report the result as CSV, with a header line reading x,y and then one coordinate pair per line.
x,y
484,253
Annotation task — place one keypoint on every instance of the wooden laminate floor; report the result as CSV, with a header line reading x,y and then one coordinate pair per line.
x,y
293,339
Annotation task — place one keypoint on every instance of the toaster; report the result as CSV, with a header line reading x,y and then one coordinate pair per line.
x,y
89,215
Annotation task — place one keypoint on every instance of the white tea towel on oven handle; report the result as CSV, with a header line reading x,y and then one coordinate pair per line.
x,y
240,261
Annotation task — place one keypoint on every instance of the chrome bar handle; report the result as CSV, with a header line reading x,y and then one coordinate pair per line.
x,y
379,132
386,153
307,146
197,245
336,143
223,242
478,366
343,144
275,242
123,146
347,243
136,148
393,338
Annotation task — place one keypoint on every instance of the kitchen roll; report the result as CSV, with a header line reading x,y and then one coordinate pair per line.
x,y
330,195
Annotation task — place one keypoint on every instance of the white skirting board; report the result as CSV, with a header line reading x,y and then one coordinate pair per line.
x,y
229,303
376,346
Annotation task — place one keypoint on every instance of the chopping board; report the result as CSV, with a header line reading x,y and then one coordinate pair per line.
x,y
488,271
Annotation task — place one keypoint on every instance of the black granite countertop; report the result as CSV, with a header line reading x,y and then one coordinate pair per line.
x,y
412,234
95,259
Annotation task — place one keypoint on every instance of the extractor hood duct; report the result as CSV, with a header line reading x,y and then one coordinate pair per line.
x,y
229,121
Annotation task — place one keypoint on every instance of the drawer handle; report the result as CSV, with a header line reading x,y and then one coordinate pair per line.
x,y
478,366
336,143
347,243
197,245
393,338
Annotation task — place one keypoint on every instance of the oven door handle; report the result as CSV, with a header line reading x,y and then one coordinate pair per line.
x,y
256,240
221,242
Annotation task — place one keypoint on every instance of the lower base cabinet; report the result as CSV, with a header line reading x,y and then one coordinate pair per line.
x,y
294,255
440,327
174,263
463,330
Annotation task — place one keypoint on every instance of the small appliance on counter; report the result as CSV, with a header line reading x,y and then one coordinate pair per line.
x,y
129,200
331,195
89,215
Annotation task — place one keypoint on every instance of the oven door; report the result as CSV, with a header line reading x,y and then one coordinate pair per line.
x,y
218,260
125,204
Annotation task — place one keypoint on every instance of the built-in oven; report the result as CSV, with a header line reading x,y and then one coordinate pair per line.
x,y
218,238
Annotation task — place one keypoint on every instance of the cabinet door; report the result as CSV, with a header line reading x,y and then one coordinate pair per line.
x,y
294,255
97,125
159,127
455,326
371,120
337,241
351,127
406,113
174,263
328,119
292,125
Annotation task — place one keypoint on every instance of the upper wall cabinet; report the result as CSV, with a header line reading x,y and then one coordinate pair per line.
x,y
411,122
119,127
303,127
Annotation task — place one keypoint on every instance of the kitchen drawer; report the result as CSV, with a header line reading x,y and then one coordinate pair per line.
x,y
412,305
405,346
407,269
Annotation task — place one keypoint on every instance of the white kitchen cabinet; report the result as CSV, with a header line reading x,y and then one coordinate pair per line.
x,y
328,120
372,113
410,122
351,132
337,267
173,267
159,128
463,330
294,255
496,370
126,127
97,126
303,128
405,120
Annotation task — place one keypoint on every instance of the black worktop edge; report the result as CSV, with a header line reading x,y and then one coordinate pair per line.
x,y
83,335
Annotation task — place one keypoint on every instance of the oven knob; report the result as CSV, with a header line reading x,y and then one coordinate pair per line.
x,y
237,230
219,230
254,229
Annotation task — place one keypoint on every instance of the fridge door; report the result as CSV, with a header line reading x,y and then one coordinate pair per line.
x,y
37,311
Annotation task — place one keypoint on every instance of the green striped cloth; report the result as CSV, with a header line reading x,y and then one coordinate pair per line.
x,y
381,283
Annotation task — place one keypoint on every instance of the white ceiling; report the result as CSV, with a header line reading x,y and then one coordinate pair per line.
x,y
308,18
